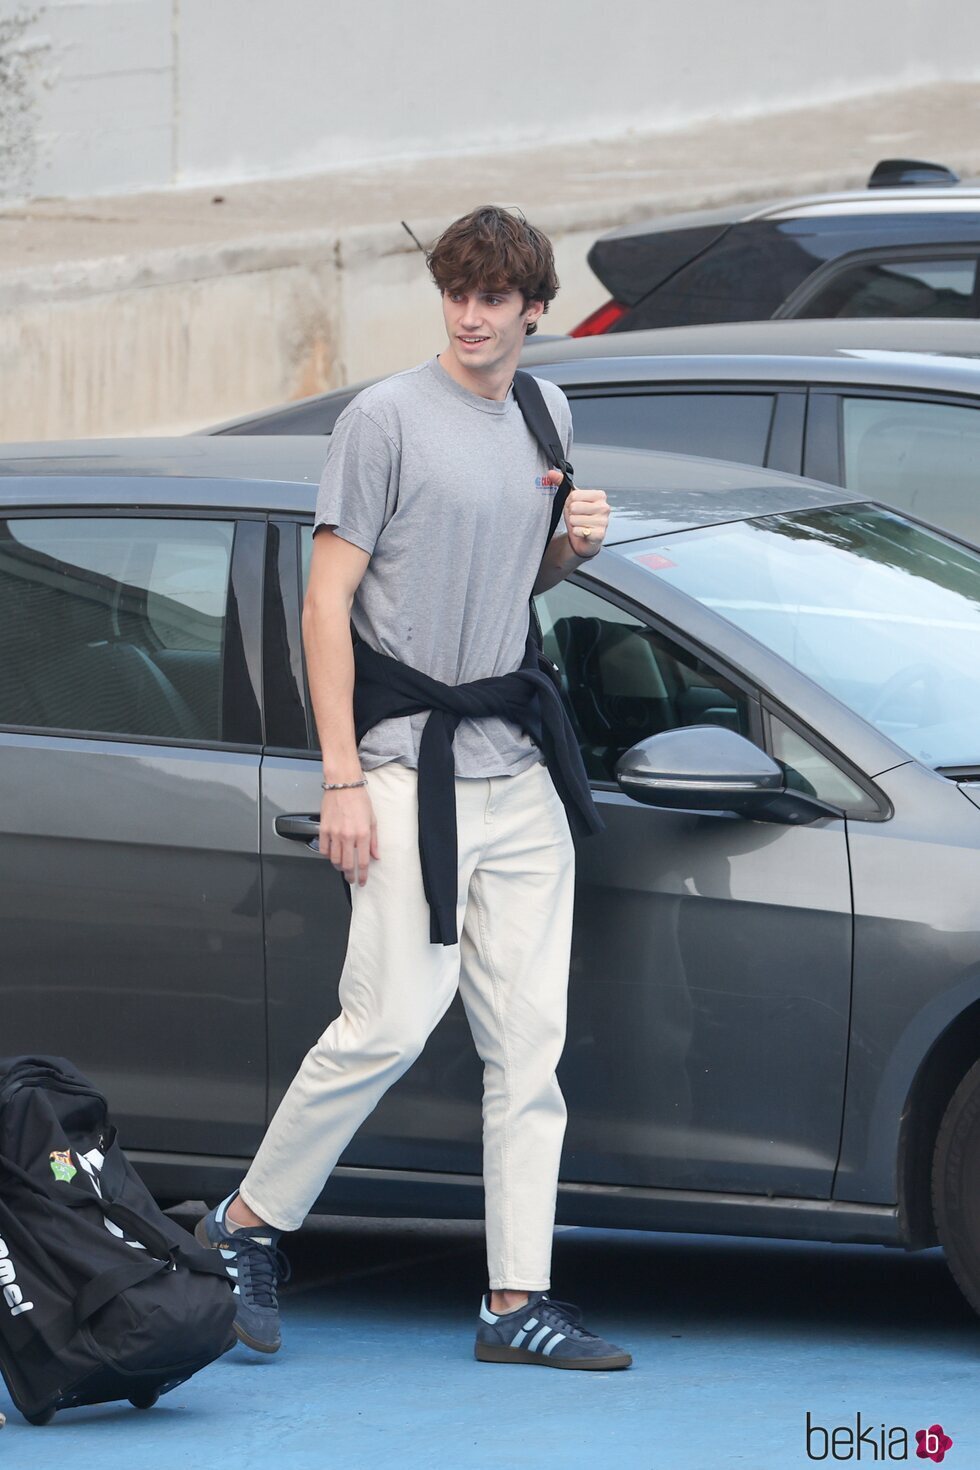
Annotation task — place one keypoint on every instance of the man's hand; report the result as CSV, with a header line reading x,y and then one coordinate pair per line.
x,y
349,832
586,517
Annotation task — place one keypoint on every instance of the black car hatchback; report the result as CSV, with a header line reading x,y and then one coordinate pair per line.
x,y
907,246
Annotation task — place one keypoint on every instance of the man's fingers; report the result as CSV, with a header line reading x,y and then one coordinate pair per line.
x,y
362,861
351,848
348,857
587,513
352,858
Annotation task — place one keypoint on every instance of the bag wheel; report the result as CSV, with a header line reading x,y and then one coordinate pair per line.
x,y
44,1417
145,1400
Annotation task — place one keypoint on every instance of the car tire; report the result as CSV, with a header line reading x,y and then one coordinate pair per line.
x,y
956,1186
145,1400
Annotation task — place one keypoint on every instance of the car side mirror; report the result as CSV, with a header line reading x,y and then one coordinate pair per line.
x,y
706,768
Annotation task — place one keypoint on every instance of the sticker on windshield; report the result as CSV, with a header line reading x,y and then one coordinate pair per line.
x,y
652,560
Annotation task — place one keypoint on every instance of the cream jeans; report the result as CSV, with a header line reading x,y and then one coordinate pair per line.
x,y
514,916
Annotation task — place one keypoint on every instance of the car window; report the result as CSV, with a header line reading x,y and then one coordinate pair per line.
x,y
719,425
744,276
624,680
114,625
921,457
922,288
809,770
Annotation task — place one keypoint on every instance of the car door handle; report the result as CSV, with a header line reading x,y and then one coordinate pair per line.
x,y
299,828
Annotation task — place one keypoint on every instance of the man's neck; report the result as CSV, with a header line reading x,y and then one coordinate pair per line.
x,y
495,383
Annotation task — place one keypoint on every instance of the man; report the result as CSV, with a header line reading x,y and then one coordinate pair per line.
x,y
431,520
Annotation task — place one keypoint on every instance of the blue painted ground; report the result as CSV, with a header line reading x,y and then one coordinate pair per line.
x,y
733,1341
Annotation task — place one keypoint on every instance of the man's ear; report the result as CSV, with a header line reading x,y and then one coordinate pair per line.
x,y
533,313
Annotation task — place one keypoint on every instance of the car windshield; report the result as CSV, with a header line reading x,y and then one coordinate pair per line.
x,y
881,612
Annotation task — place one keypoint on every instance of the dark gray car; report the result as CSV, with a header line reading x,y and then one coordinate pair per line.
x,y
774,1019
889,409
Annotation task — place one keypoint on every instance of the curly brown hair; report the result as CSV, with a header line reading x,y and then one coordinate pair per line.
x,y
495,249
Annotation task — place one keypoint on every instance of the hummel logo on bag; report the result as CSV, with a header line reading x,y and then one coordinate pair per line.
x,y
12,1294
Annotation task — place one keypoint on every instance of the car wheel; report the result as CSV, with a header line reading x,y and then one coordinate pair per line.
x,y
145,1400
956,1185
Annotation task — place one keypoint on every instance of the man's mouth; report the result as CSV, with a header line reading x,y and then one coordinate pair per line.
x,y
473,341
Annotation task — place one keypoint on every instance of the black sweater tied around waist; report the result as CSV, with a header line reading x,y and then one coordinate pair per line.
x,y
386,688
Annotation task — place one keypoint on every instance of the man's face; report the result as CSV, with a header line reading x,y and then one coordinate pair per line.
x,y
487,328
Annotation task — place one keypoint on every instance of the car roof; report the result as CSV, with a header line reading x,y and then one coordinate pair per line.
x,y
649,492
943,355
299,458
887,352
908,200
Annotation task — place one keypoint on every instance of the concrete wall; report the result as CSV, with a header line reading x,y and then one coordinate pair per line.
x,y
179,348
108,96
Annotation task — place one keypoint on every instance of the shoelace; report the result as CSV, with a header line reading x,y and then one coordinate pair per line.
x,y
567,1317
259,1268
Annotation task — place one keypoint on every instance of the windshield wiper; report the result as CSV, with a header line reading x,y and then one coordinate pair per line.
x,y
960,773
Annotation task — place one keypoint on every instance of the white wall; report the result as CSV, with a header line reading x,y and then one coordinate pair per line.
x,y
115,95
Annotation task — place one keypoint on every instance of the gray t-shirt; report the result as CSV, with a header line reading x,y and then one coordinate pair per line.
x,y
443,488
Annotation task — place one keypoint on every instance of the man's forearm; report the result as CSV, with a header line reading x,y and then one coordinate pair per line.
x,y
559,559
330,672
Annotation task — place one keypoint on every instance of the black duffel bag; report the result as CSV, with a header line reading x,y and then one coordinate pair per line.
x,y
102,1296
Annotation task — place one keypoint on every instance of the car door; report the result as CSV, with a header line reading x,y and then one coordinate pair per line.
x,y
918,454
711,962
710,975
129,762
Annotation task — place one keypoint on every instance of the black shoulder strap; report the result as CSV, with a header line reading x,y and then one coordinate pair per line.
x,y
530,401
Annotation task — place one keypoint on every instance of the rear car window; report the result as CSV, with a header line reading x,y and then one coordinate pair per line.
x,y
719,425
114,625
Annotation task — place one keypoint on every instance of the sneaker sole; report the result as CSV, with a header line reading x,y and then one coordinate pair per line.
x,y
201,1236
258,1347
486,1353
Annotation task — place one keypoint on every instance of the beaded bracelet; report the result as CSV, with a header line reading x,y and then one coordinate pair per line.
x,y
340,785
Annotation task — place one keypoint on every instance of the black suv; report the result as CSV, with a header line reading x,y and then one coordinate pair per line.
x,y
905,246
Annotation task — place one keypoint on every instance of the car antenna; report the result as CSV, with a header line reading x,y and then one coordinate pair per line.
x,y
408,229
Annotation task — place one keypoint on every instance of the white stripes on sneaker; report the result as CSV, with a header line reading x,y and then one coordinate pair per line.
x,y
231,1271
518,1339
535,1345
538,1344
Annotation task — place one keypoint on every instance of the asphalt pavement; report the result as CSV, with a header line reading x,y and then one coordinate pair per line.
x,y
735,1343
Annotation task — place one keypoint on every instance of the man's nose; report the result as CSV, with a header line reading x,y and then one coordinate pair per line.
x,y
470,315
